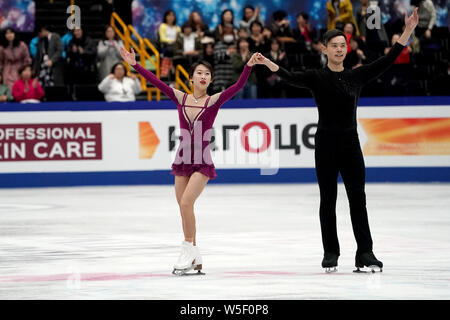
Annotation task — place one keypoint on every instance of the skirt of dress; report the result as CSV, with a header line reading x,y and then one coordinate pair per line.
x,y
188,169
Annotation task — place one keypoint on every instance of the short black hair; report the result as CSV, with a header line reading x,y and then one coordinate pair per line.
x,y
23,67
5,42
223,13
42,27
277,41
115,66
330,34
241,40
353,25
247,7
106,28
304,15
167,13
279,15
203,63
256,22
187,25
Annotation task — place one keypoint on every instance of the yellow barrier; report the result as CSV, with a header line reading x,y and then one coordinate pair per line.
x,y
125,35
138,48
141,48
144,56
179,82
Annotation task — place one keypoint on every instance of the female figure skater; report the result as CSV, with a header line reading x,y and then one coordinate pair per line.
x,y
336,92
194,167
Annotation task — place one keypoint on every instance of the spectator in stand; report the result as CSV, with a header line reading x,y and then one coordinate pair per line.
x,y
208,53
242,33
33,46
48,64
281,26
404,57
427,17
66,38
304,33
5,92
27,89
118,87
81,54
199,27
13,55
356,57
350,31
223,50
340,12
268,34
257,41
238,61
227,18
187,47
399,74
167,33
273,83
250,15
108,51
317,47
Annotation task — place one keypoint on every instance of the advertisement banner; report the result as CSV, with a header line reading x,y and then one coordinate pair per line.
x,y
50,142
260,138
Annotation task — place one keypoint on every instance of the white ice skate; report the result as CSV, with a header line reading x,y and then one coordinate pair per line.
x,y
187,260
198,261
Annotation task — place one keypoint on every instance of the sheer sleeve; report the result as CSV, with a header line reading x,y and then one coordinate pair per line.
x,y
150,77
233,89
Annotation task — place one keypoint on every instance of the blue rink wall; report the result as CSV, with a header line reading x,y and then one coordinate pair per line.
x,y
439,173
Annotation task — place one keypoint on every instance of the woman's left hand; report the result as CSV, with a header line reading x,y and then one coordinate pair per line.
x,y
253,60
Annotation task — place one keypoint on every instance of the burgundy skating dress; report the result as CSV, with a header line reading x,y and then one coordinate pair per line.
x,y
195,133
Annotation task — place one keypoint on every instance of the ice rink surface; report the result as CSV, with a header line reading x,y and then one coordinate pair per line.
x,y
257,242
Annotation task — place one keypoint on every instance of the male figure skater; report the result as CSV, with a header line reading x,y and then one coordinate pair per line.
x,y
336,92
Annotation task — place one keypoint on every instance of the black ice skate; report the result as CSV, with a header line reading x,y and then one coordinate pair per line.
x,y
330,262
368,260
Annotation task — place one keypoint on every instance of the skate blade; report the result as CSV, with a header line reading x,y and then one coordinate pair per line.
x,y
331,270
182,273
369,269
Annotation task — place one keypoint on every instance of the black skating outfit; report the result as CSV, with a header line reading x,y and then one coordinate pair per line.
x,y
337,147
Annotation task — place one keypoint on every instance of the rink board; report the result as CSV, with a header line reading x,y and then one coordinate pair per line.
x,y
253,141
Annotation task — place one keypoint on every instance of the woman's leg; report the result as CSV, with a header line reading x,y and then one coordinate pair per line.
x,y
181,183
194,188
